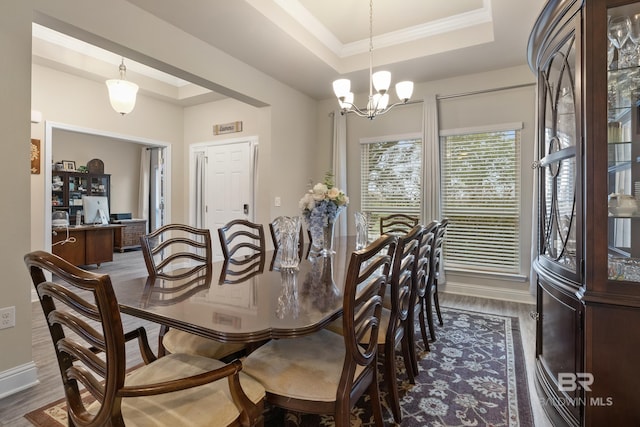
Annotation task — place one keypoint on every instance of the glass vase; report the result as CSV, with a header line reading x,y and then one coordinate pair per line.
x,y
321,230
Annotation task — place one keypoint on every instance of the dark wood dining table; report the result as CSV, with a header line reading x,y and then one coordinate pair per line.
x,y
268,303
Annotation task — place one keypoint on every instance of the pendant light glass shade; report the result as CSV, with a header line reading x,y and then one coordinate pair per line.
x,y
122,93
404,90
381,81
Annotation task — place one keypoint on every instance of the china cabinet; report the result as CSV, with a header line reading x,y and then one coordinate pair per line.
x,y
67,189
586,56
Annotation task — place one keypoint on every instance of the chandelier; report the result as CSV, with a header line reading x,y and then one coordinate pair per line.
x,y
378,102
122,93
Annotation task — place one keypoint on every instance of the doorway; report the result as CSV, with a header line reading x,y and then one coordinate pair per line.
x,y
143,143
223,184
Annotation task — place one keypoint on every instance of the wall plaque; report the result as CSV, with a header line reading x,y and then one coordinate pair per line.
x,y
35,156
227,128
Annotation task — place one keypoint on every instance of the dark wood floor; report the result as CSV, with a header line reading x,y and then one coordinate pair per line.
x,y
13,408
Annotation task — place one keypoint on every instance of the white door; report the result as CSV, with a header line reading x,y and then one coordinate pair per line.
x,y
228,187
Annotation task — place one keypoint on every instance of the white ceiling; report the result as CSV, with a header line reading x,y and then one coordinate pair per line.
x,y
309,43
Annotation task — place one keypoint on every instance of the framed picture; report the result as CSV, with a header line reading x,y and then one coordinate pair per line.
x,y
69,165
35,156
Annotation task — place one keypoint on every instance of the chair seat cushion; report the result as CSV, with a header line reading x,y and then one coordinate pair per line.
x,y
306,368
208,405
177,341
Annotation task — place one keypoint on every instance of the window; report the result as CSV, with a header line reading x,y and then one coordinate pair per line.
x,y
480,194
391,180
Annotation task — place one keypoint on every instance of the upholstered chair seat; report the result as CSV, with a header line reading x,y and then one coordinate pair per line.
x,y
314,376
209,405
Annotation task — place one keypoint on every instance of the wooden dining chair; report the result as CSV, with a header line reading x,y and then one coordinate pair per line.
x,y
397,223
324,372
432,289
172,247
423,277
176,252
397,316
242,239
84,321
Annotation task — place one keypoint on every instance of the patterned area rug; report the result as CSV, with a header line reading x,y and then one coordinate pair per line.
x,y
474,375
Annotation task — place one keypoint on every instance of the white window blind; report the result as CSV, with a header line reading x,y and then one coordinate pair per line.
x,y
391,179
480,184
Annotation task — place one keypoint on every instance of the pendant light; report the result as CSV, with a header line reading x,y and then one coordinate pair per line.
x,y
122,93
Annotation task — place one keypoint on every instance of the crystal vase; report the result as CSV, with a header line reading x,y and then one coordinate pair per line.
x,y
321,229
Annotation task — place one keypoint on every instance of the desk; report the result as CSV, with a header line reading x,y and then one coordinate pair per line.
x,y
90,244
270,304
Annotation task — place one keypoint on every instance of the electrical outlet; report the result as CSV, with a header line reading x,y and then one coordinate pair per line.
x,y
277,202
7,317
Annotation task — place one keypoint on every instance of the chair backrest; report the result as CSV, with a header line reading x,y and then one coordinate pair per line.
x,y
176,251
397,223
403,279
76,301
423,266
240,239
364,288
437,247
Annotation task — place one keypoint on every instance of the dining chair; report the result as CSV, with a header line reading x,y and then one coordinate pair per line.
x,y
397,316
432,289
241,239
85,325
423,277
397,223
324,372
175,252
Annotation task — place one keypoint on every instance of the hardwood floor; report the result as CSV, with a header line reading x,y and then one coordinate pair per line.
x,y
13,408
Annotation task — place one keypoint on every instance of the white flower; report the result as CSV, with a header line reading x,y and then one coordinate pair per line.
x,y
320,189
333,193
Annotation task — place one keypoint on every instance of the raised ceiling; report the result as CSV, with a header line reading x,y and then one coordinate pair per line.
x,y
309,43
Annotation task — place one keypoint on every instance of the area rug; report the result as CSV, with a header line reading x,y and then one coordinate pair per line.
x,y
473,375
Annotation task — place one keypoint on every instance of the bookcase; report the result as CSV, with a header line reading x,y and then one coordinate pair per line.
x,y
67,189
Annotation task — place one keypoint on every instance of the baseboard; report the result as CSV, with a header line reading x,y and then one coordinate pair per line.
x,y
17,379
513,295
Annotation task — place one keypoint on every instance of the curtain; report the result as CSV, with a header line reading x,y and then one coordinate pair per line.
x,y
143,187
533,277
431,167
431,138
200,171
340,164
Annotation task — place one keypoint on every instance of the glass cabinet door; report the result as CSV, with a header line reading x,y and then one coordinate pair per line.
x,y
623,143
558,216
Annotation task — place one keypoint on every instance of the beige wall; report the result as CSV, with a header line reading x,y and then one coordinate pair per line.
x,y
16,366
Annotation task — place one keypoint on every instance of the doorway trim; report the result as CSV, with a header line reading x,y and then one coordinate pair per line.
x,y
50,126
253,159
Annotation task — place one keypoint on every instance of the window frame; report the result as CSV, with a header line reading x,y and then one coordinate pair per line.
x,y
514,270
374,222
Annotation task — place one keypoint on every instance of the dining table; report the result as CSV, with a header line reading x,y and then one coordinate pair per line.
x,y
232,303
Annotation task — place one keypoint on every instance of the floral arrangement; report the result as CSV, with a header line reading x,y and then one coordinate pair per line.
x,y
323,201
